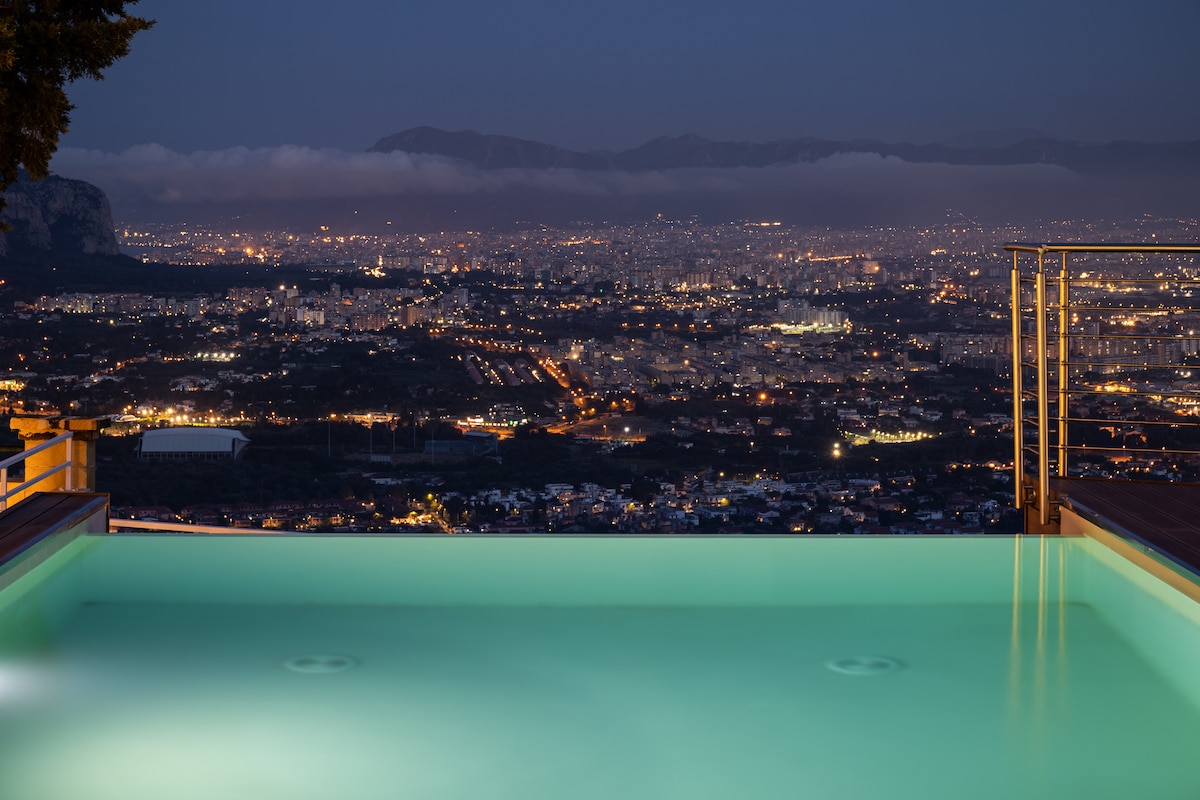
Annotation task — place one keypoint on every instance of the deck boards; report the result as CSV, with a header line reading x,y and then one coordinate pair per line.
x,y
43,514
1164,516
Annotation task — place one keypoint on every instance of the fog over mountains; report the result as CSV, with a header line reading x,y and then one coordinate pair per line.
x,y
696,152
424,178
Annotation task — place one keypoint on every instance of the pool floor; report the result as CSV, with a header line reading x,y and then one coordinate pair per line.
x,y
190,701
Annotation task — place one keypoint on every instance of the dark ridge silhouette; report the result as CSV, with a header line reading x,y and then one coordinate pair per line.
x,y
491,151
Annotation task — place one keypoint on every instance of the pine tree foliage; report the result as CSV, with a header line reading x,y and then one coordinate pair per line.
x,y
44,45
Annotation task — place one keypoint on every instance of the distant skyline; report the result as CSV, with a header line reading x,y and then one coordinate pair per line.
x,y
221,74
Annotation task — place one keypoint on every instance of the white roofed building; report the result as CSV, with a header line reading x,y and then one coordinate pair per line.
x,y
191,443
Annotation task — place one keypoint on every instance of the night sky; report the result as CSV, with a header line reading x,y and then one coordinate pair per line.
x,y
263,109
611,75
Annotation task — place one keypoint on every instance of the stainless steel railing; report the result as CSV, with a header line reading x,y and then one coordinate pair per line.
x,y
1104,338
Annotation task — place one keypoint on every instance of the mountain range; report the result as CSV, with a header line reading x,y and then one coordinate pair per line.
x,y
428,179
492,151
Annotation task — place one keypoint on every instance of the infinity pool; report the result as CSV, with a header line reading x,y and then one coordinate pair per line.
x,y
273,668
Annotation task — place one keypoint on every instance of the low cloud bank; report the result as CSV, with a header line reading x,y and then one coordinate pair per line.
x,y
151,182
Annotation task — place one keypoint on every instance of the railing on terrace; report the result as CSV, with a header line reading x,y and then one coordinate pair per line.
x,y
31,483
1106,353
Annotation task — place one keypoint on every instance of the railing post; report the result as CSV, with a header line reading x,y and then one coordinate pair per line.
x,y
1018,362
1043,392
1064,353
85,430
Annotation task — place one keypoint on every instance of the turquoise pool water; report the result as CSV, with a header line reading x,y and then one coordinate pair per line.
x,y
175,668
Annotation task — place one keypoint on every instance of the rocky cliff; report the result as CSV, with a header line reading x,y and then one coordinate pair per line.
x,y
56,216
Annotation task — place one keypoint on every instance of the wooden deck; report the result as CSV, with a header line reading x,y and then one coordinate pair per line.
x,y
45,514
1162,516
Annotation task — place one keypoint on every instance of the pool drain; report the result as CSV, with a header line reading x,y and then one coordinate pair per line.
x,y
864,665
320,664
